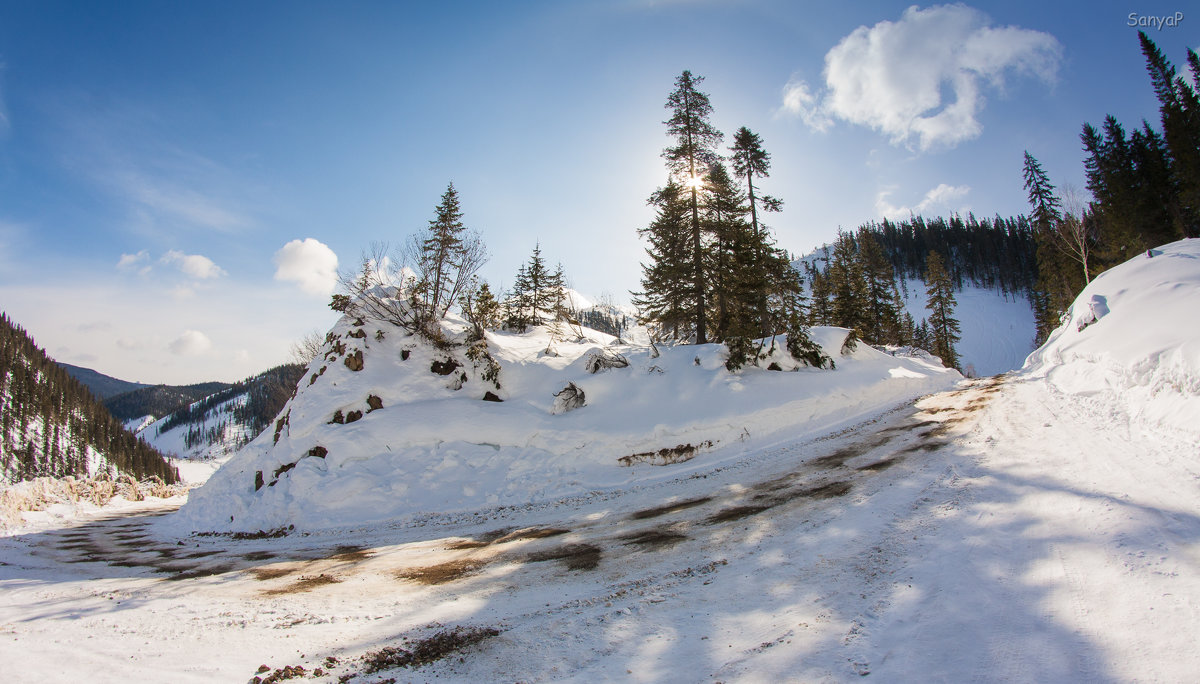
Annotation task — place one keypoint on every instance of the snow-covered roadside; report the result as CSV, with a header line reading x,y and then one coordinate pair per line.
x,y
975,537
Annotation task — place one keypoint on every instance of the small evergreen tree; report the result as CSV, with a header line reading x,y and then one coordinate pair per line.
x,y
944,329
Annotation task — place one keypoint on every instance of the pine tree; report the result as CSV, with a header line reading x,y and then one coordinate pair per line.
x,y
668,287
881,322
441,250
1179,106
943,327
847,287
694,152
1047,208
730,257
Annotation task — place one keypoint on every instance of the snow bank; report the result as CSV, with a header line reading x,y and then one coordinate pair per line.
x,y
1132,341
384,425
65,498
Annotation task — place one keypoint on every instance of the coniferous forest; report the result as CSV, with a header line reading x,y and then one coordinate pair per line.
x,y
50,423
1144,186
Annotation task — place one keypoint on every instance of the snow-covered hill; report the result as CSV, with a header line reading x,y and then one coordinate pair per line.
x,y
997,328
1132,345
384,425
204,434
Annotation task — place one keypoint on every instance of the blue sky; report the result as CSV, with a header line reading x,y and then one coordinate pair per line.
x,y
176,179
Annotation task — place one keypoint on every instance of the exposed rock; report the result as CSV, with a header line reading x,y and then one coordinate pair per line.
x,y
600,359
774,367
445,367
353,416
568,398
850,343
489,396
258,480
404,354
355,361
357,333
665,456
318,451
337,418
374,403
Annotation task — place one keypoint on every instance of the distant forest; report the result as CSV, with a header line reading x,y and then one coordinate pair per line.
x,y
49,420
159,400
265,393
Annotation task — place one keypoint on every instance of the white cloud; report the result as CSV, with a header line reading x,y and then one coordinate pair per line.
x,y
921,77
309,263
138,262
194,265
129,344
190,343
939,198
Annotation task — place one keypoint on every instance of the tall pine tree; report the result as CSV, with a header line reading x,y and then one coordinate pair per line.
x,y
692,154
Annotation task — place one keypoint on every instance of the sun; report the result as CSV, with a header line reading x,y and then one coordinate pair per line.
x,y
694,182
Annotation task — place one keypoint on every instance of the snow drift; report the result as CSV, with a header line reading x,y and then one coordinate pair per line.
x,y
1131,342
385,425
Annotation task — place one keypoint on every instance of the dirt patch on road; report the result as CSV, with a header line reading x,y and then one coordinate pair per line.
x,y
443,572
571,556
351,554
656,539
428,650
505,536
303,583
667,509
736,513
264,574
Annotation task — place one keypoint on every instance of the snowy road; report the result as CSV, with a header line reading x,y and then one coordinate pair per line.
x,y
993,533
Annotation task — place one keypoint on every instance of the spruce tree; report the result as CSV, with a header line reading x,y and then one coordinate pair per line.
x,y
881,322
1047,208
536,293
668,288
730,257
441,249
847,287
943,327
693,153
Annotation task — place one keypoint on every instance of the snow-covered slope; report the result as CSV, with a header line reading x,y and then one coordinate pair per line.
x,y
997,328
409,431
1132,344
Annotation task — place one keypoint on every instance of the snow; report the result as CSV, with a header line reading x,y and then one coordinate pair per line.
x,y
436,447
1040,526
997,329
1131,345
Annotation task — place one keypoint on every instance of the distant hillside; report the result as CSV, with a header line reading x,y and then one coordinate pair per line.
x,y
51,425
224,420
100,385
159,400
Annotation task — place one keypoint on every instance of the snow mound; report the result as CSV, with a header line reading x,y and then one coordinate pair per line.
x,y
1132,341
385,426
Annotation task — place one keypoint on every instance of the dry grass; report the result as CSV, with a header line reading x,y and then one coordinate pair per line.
x,y
442,572
303,583
427,650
